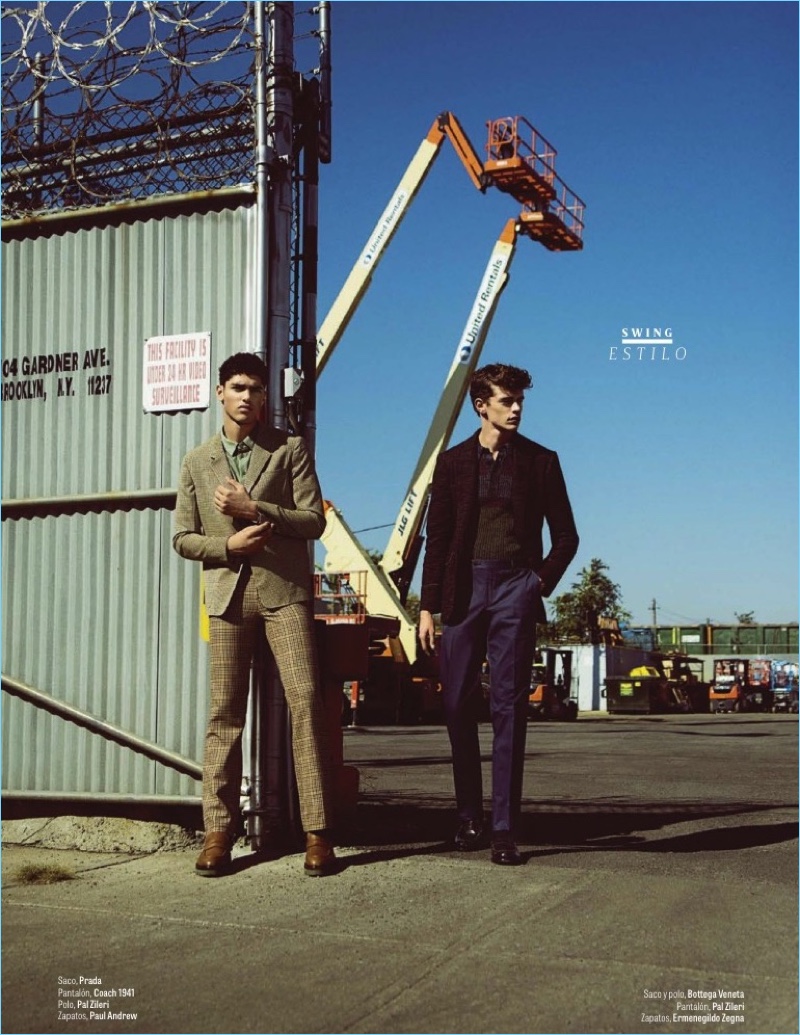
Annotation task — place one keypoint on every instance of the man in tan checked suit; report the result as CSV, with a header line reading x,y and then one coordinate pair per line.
x,y
248,502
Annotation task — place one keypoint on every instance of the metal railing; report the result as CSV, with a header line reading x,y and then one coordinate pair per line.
x,y
99,502
90,722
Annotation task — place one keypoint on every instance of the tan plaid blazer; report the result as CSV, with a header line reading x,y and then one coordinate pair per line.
x,y
282,482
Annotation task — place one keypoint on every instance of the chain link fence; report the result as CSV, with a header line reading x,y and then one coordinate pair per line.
x,y
112,102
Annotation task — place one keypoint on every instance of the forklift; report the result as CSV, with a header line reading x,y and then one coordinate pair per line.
x,y
741,685
551,686
689,691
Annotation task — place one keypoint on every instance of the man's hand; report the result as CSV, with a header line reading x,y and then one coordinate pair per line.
x,y
232,499
250,539
426,631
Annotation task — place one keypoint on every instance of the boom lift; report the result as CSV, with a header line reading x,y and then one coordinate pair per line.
x,y
388,581
445,126
520,162
403,548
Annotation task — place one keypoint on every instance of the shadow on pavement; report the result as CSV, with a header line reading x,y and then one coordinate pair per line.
x,y
397,830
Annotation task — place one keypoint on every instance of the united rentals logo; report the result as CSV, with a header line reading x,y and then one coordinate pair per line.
x,y
475,323
393,211
647,344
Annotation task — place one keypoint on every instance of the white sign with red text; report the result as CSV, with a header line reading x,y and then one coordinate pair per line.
x,y
177,372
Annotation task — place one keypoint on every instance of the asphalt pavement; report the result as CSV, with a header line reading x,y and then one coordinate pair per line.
x,y
658,894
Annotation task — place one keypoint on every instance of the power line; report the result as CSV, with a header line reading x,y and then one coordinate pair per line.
x,y
686,618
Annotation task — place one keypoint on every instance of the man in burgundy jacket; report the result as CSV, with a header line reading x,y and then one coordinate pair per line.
x,y
485,572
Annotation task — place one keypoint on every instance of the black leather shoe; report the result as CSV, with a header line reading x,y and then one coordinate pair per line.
x,y
505,851
469,835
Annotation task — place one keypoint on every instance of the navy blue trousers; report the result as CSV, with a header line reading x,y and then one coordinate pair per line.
x,y
499,626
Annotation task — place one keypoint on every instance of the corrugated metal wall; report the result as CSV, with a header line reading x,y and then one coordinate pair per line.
x,y
98,609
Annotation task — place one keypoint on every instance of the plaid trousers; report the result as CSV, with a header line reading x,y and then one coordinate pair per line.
x,y
290,635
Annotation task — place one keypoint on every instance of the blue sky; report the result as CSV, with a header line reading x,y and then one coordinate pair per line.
x,y
677,124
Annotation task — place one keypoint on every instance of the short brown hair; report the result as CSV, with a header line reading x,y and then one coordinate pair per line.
x,y
512,379
248,363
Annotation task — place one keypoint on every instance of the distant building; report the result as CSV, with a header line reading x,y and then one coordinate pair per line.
x,y
775,641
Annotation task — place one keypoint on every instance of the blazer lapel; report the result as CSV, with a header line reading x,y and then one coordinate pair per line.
x,y
467,475
527,500
259,459
524,474
265,442
219,462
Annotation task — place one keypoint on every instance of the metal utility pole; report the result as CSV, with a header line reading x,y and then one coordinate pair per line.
x,y
292,122
308,259
325,94
262,180
270,809
280,129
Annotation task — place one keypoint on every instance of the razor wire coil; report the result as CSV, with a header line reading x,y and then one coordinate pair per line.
x,y
108,102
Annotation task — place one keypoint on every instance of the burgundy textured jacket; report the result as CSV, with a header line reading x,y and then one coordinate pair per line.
x,y
539,494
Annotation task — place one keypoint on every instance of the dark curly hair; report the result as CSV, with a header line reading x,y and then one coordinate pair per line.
x,y
243,363
512,379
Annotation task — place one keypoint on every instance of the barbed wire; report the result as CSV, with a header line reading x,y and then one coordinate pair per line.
x,y
108,101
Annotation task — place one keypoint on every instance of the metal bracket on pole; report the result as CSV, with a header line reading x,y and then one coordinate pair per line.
x,y
292,382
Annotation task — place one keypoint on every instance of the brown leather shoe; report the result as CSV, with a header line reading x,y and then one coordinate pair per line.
x,y
215,858
320,857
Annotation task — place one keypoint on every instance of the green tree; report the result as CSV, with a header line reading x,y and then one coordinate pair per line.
x,y
412,606
593,596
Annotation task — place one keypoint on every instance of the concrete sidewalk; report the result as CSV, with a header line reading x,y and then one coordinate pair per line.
x,y
634,912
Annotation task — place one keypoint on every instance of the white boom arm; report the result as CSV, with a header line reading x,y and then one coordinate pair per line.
x,y
344,553
468,350
346,303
